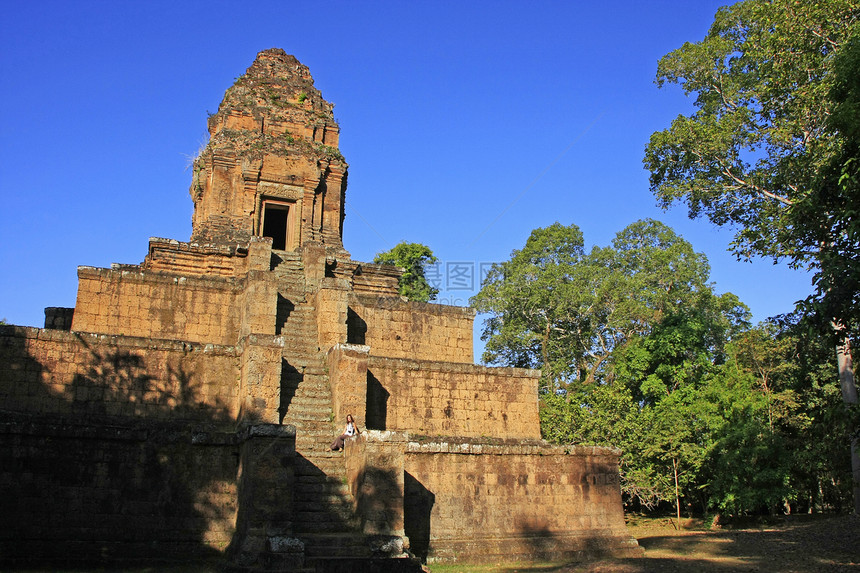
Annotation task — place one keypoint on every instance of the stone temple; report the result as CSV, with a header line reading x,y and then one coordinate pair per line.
x,y
185,407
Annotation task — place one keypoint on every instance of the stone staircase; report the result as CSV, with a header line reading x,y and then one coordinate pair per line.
x,y
324,519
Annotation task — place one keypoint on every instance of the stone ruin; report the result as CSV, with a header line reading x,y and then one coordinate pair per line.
x,y
184,408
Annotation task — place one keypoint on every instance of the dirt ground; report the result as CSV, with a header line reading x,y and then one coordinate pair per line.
x,y
794,544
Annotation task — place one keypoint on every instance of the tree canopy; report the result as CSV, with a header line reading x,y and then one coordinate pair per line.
x,y
638,351
771,149
554,306
761,80
413,258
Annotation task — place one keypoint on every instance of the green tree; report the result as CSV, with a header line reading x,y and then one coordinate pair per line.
x,y
623,336
532,300
761,154
779,425
555,307
667,372
413,258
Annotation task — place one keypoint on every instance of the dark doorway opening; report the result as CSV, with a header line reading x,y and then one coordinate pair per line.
x,y
276,223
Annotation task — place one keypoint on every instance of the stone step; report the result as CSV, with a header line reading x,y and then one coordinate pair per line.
x,y
317,446
304,364
315,415
314,430
309,413
338,513
331,545
317,369
307,382
316,525
309,392
333,466
300,344
296,380
303,336
320,447
315,427
322,419
311,473
316,443
299,351
316,403
313,434
309,435
309,389
302,312
311,401
296,325
335,478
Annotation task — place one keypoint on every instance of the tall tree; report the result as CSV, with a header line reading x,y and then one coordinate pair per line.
x,y
753,153
532,301
413,258
552,306
623,335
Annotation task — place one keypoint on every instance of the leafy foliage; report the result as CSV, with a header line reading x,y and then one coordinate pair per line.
x,y
554,306
761,79
772,150
413,258
639,352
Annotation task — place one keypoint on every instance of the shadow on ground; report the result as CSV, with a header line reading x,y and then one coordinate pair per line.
x,y
799,544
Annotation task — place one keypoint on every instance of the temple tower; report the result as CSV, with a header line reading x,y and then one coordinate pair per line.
x,y
198,392
272,166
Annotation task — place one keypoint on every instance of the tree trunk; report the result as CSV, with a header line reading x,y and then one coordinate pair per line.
x,y
544,355
849,396
677,495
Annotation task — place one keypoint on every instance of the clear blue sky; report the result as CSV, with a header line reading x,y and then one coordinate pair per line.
x,y
465,124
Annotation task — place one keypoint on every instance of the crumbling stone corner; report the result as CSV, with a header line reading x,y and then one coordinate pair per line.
x,y
347,368
375,463
264,535
331,307
260,378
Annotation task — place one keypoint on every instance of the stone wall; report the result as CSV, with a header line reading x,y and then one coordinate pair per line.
x,y
58,372
484,501
374,473
116,449
395,328
449,399
260,366
370,279
191,259
135,303
78,493
347,367
132,302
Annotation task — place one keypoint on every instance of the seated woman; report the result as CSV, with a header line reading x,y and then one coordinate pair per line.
x,y
348,432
